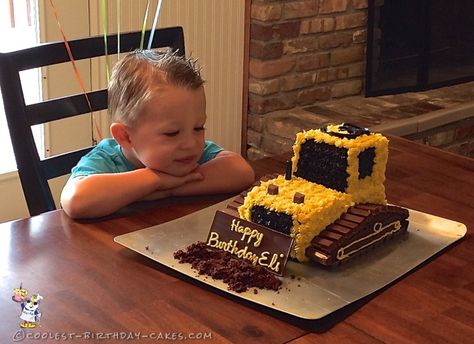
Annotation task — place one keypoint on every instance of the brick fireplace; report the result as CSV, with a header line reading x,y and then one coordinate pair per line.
x,y
311,54
301,53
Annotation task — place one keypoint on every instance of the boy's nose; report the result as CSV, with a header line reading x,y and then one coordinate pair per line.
x,y
187,142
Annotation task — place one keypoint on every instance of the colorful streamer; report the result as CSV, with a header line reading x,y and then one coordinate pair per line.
x,y
74,66
104,29
28,12
118,29
145,17
11,6
155,21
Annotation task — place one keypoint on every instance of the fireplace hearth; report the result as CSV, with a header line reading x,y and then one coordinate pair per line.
x,y
415,45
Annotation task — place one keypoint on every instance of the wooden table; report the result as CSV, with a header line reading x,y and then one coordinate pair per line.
x,y
91,284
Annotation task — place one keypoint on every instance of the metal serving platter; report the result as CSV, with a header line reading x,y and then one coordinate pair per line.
x,y
308,292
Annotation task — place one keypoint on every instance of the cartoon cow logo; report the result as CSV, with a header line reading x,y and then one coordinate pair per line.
x,y
30,312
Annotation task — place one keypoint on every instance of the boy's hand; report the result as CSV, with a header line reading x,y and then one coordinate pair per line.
x,y
168,181
227,172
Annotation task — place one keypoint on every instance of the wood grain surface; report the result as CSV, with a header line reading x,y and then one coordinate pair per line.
x,y
92,285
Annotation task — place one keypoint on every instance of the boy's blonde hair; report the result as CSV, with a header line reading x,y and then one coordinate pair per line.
x,y
136,76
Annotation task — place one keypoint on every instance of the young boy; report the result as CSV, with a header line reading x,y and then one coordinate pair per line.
x,y
158,110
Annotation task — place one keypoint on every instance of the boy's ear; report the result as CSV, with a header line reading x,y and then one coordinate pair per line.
x,y
120,133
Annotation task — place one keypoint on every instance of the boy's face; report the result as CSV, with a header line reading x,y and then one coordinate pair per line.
x,y
170,137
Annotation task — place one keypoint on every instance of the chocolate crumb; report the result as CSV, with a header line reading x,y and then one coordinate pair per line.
x,y
273,304
255,291
147,248
239,274
272,189
298,198
292,276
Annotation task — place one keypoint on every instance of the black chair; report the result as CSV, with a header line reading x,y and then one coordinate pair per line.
x,y
34,173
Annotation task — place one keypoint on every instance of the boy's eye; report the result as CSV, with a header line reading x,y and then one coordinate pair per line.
x,y
201,128
172,133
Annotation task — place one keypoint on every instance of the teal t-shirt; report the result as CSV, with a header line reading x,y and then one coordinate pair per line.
x,y
107,157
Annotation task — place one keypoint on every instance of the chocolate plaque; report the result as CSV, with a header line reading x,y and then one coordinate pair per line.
x,y
247,240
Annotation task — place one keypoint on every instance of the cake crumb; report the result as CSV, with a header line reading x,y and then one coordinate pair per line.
x,y
147,248
239,274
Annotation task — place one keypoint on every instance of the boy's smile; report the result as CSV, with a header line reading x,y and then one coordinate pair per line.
x,y
186,160
170,135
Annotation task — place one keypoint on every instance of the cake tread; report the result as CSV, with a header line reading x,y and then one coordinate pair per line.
x,y
382,223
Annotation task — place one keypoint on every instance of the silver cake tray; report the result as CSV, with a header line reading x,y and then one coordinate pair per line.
x,y
308,292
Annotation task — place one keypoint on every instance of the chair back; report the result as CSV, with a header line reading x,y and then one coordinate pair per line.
x,y
35,172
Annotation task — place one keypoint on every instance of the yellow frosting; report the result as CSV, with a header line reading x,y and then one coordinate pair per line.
x,y
321,207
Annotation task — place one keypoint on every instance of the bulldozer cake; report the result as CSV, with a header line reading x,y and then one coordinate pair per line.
x,y
331,199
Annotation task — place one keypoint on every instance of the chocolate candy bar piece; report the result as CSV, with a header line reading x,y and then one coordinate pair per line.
x,y
361,228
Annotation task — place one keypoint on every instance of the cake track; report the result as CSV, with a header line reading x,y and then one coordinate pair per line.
x,y
362,228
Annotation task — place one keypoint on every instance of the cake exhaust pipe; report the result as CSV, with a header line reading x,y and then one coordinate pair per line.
x,y
288,170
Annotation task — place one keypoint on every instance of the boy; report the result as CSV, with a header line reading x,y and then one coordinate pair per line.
x,y
158,109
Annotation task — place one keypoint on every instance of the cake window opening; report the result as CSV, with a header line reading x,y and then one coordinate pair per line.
x,y
280,222
323,164
366,162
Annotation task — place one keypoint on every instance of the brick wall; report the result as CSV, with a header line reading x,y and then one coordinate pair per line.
x,y
302,52
456,137
307,54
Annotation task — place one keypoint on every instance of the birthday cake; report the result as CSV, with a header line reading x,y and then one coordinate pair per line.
x,y
331,199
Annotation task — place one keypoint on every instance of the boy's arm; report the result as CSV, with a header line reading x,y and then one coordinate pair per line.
x,y
227,172
102,194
